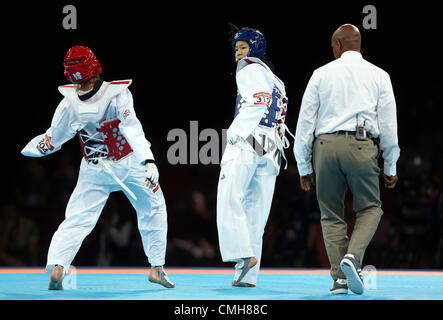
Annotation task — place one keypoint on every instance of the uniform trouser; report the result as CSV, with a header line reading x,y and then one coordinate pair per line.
x,y
339,161
85,206
244,200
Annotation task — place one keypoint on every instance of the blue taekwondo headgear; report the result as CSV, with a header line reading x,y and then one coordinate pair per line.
x,y
254,38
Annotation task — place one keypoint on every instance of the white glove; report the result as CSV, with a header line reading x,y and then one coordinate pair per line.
x,y
231,137
152,173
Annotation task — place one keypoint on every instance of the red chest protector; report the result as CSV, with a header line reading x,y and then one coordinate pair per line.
x,y
113,145
118,146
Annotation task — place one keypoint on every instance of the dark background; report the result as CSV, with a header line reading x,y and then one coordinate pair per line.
x,y
182,68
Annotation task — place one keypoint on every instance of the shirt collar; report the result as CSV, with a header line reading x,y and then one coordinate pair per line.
x,y
351,53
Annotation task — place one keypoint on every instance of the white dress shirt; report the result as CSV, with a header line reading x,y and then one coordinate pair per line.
x,y
340,94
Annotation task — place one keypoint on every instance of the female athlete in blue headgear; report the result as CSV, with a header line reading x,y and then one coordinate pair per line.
x,y
252,158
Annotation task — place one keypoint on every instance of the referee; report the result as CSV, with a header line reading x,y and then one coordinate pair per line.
x,y
348,113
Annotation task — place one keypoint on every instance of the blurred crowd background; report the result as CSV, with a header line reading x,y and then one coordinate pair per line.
x,y
410,234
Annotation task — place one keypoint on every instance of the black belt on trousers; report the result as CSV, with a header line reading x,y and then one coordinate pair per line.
x,y
351,133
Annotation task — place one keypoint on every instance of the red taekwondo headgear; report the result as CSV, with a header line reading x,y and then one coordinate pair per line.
x,y
87,67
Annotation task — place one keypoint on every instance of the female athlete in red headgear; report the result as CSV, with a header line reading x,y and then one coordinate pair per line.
x,y
116,156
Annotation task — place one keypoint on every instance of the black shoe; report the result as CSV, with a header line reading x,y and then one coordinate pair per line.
x,y
350,265
340,286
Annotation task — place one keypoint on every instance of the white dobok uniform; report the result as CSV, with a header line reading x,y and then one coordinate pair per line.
x,y
104,168
249,166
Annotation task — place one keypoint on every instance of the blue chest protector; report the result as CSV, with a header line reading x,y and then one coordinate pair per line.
x,y
270,116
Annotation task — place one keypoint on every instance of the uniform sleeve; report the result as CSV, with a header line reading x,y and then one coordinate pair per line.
x,y
256,90
61,130
387,122
131,127
307,120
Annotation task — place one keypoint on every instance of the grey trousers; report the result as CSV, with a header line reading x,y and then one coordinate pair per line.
x,y
340,161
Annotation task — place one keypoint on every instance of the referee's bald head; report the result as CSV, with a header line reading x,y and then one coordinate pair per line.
x,y
346,37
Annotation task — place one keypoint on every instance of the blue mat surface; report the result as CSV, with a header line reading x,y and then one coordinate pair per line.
x,y
214,286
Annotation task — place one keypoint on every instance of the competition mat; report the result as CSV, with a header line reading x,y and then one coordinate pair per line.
x,y
84,283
